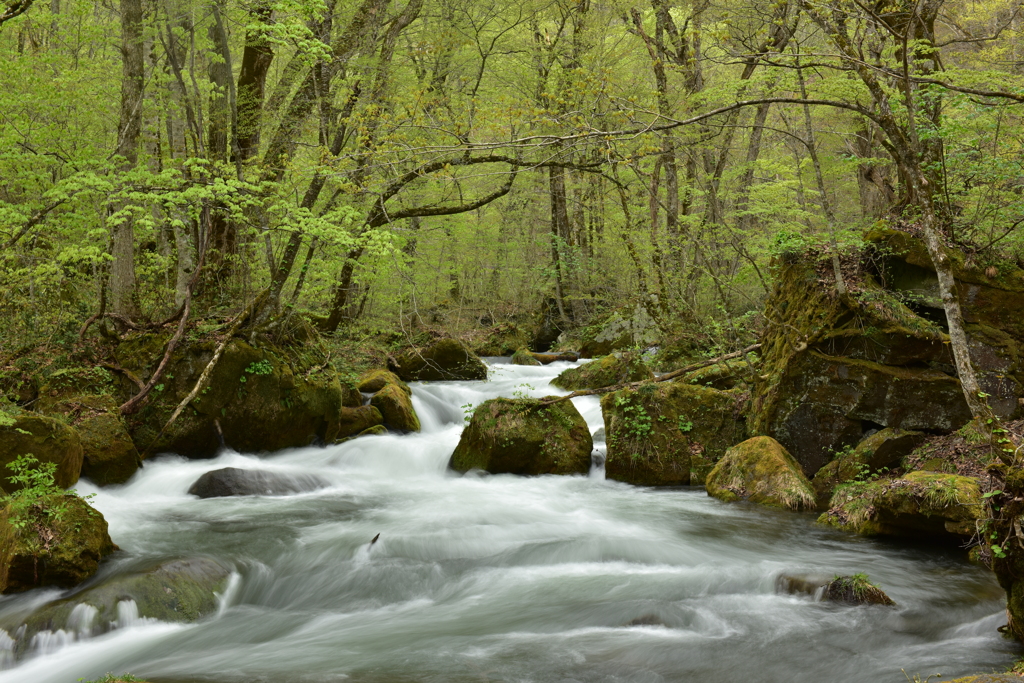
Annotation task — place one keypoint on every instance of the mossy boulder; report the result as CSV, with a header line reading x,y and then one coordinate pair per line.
x,y
524,436
258,398
395,405
762,471
176,591
883,450
836,367
53,551
446,359
604,372
109,455
502,339
524,356
355,421
628,326
918,504
372,381
45,438
725,376
669,433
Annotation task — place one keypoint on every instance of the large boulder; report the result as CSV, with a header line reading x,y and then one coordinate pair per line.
x,y
47,439
233,481
605,372
623,328
446,359
395,405
58,540
762,471
918,504
836,368
880,452
257,398
669,433
176,591
524,436
109,455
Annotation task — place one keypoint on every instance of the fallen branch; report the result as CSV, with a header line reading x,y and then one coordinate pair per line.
x,y
208,370
126,372
664,378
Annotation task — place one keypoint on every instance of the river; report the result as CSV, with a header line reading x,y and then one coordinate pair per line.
x,y
504,578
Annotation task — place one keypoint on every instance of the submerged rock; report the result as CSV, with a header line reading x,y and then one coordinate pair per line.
x,y
667,433
46,439
855,590
47,550
447,359
883,450
180,590
764,472
915,505
605,372
522,436
232,481
395,406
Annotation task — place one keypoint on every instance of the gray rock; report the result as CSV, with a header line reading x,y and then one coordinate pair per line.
x,y
232,481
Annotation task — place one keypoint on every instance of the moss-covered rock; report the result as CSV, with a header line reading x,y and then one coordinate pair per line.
x,y
883,450
45,438
258,398
605,372
524,356
669,433
52,550
355,421
727,375
180,590
623,328
396,408
764,472
502,339
834,367
855,590
523,436
373,381
446,359
109,455
914,505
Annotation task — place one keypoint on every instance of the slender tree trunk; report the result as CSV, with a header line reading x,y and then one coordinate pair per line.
x,y
122,269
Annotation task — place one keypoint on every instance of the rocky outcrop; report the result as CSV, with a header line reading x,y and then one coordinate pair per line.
x,y
838,367
395,405
524,436
47,439
180,590
669,433
258,398
918,504
447,359
605,372
626,327
355,421
881,452
46,549
762,471
233,481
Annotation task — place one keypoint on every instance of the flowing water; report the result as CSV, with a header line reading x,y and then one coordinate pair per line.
x,y
504,578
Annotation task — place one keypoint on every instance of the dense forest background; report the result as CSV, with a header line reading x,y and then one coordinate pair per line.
x,y
461,165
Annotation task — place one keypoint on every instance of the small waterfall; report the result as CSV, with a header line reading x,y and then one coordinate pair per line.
x,y
127,614
81,620
48,642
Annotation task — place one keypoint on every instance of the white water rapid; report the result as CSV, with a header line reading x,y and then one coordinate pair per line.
x,y
504,578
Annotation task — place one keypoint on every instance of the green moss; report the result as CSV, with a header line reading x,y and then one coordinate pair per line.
x,y
522,436
446,359
875,455
665,433
855,590
604,372
46,438
762,471
373,381
917,503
